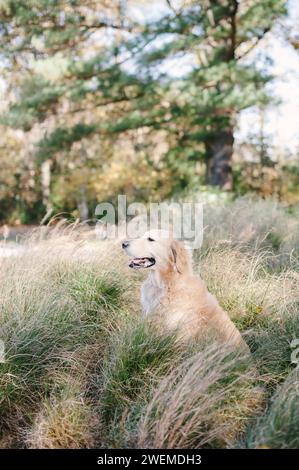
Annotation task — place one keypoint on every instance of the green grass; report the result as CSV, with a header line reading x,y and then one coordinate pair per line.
x,y
68,307
271,345
136,359
279,426
84,370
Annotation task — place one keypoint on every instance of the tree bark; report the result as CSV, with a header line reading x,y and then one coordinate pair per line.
x,y
219,146
219,151
82,204
46,182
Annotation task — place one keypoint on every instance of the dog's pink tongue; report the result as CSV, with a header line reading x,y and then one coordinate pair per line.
x,y
140,263
136,263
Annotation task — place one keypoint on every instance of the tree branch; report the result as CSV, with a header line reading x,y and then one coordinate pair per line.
x,y
258,39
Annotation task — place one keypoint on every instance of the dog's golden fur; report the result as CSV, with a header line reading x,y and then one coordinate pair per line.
x,y
174,294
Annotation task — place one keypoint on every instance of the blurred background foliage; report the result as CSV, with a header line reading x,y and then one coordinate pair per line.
x,y
141,98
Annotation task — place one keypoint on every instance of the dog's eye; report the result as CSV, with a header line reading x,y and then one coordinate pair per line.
x,y
150,239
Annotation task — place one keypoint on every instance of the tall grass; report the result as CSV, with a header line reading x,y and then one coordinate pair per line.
x,y
83,369
205,401
279,426
56,300
254,225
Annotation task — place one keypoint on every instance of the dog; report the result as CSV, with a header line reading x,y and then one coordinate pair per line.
x,y
174,294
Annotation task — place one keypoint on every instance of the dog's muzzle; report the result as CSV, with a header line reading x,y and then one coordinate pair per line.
x,y
137,263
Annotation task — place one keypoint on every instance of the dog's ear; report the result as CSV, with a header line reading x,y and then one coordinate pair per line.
x,y
180,256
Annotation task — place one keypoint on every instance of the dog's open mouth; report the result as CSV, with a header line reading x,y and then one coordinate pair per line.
x,y
138,263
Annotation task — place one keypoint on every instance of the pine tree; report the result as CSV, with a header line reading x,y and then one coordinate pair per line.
x,y
218,36
107,73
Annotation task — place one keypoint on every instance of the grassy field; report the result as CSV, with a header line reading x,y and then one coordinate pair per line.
x,y
83,370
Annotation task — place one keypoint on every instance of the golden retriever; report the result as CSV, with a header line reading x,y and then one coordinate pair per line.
x,y
174,293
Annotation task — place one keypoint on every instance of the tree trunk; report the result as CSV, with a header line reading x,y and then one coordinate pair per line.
x,y
46,182
82,204
219,146
219,166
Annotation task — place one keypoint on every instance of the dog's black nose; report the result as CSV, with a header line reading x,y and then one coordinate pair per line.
x,y
125,244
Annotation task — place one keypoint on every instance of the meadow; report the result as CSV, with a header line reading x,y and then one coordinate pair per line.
x,y
83,370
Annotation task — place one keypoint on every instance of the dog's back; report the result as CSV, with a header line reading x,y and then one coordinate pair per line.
x,y
190,309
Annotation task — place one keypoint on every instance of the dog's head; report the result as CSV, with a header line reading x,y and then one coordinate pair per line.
x,y
157,249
